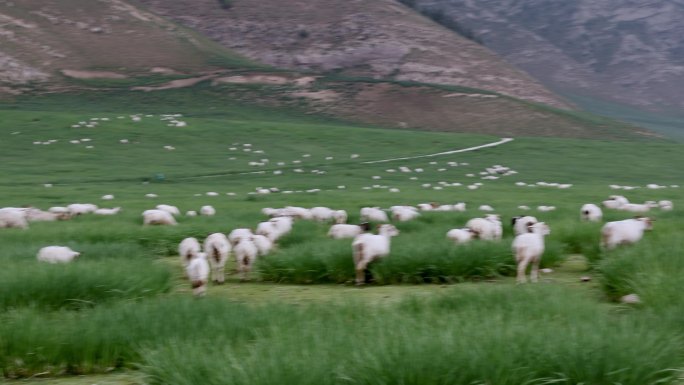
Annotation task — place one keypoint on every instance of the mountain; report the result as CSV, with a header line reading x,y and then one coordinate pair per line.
x,y
625,51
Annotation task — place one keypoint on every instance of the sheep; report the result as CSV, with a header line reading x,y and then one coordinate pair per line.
x,y
173,210
486,208
263,244
197,271
340,231
57,254
296,212
615,202
59,210
107,197
113,211
627,231
373,214
339,216
460,235
191,213
404,214
36,215
236,234
427,206
274,228
321,214
207,210
528,248
591,212
665,205
271,212
217,248
369,247
546,208
521,224
460,206
487,228
246,253
81,208
11,217
638,208
158,217
188,249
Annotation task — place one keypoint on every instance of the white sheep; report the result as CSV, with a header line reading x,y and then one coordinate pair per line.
x,y
404,214
528,248
373,214
236,234
246,253
521,224
158,217
217,247
321,214
624,232
191,213
369,247
460,235
197,271
591,212
207,210
296,212
427,206
173,210
107,197
487,228
615,201
665,205
11,217
638,208
339,216
81,208
103,211
188,249
340,231
57,254
486,208
271,212
263,244
37,215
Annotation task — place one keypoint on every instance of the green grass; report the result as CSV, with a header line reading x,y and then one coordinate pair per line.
x,y
438,313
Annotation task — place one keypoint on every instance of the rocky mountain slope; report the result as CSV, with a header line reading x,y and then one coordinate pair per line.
x,y
380,38
627,51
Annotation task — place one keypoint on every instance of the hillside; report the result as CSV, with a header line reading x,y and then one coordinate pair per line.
x,y
380,39
625,51
43,41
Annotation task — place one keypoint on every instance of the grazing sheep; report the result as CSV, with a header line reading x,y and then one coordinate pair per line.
x,y
460,206
615,202
427,206
369,247
321,214
217,248
460,235
198,274
296,212
81,208
246,253
271,212
591,212
59,210
263,244
487,228
158,217
627,231
546,208
207,210
638,208
404,213
113,211
107,197
665,205
528,248
191,213
173,210
37,215
11,217
373,214
486,208
188,249
521,224
236,234
339,216
57,254
340,231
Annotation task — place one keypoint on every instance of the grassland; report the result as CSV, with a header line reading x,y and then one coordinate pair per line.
x,y
438,313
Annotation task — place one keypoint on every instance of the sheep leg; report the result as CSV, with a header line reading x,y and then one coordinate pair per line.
x,y
534,273
522,267
220,274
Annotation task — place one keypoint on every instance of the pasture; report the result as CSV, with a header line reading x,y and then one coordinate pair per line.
x,y
437,314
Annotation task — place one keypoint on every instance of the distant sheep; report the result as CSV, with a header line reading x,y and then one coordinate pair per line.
x,y
236,234
217,247
340,216
665,205
113,211
528,248
624,232
57,254
207,211
373,214
591,212
340,231
460,235
615,202
173,210
263,244
404,214
81,208
321,214
37,215
369,247
487,228
158,217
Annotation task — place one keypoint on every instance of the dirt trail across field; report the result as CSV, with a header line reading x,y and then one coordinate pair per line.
x,y
502,141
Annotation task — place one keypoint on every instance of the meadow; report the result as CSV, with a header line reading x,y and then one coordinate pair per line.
x,y
437,313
